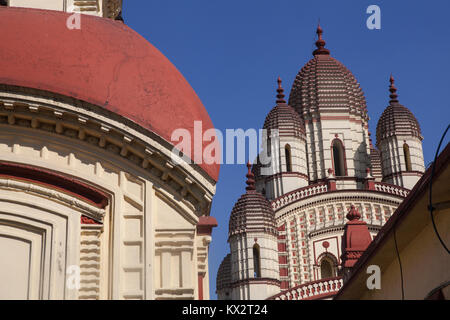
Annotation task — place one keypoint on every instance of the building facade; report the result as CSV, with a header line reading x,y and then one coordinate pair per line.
x,y
92,205
285,232
412,248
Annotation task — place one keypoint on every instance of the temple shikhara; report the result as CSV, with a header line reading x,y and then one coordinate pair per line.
x,y
297,232
91,204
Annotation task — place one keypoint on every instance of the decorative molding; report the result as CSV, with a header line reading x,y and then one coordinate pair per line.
x,y
320,289
82,113
309,219
298,194
73,202
54,120
54,180
90,262
289,199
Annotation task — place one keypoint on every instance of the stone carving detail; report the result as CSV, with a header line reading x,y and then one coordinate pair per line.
x,y
90,262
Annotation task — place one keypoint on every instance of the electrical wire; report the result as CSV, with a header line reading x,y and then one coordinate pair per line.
x,y
399,260
430,208
430,205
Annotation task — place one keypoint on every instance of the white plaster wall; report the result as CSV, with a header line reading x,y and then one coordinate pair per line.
x,y
355,139
242,265
262,291
393,160
298,154
353,134
277,186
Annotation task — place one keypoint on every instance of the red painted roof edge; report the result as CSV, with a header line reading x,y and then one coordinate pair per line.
x,y
206,224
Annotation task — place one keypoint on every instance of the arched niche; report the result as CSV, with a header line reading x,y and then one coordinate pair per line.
x,y
338,153
407,156
256,261
327,263
288,156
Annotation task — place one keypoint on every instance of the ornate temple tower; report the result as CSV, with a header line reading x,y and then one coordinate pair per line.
x,y
400,142
326,166
253,243
332,104
287,143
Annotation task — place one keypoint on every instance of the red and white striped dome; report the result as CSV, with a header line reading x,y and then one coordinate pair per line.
x,y
223,279
396,119
284,118
326,84
252,212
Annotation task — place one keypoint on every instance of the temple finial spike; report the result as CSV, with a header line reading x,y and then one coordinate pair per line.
x,y
320,43
393,90
250,178
280,91
319,31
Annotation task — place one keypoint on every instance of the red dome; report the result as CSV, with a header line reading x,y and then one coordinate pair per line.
x,y
104,63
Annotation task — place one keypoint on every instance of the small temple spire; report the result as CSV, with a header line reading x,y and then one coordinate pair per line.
x,y
320,43
250,178
393,90
353,214
355,241
280,91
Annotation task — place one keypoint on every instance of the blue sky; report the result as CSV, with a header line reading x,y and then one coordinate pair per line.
x,y
231,52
